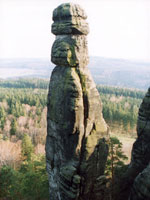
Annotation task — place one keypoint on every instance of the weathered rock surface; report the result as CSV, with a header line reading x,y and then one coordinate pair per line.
x,y
141,186
137,178
76,145
69,19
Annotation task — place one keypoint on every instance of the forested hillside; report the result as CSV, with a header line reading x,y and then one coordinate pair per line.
x,y
23,108
22,140
120,108
25,83
23,111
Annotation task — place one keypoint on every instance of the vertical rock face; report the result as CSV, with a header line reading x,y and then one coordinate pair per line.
x,y
138,174
76,145
141,153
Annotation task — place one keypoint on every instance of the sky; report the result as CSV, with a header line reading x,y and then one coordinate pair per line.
x,y
118,28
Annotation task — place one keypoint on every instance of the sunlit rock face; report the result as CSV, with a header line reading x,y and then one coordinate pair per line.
x,y
137,178
76,145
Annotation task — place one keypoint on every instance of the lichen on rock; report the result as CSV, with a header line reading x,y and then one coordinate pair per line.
x,y
76,144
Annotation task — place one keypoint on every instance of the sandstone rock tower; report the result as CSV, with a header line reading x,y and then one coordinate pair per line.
x,y
137,178
140,162
76,148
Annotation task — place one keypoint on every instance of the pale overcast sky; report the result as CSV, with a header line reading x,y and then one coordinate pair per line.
x,y
118,28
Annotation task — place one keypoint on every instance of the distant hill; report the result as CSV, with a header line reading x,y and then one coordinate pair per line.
x,y
16,68
106,71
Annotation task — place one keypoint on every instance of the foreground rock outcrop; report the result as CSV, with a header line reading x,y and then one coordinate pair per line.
x,y
137,178
76,145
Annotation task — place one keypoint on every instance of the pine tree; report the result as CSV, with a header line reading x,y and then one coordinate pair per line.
x,y
27,147
115,161
13,126
2,117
